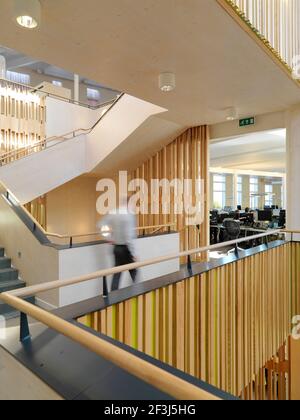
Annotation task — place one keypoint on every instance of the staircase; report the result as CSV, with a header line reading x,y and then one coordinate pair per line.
x,y
26,172
9,280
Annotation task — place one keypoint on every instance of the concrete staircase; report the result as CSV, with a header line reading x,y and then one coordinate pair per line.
x,y
9,280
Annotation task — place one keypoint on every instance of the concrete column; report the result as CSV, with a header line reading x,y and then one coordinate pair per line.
x,y
261,191
277,196
2,67
235,194
293,168
76,88
246,191
229,190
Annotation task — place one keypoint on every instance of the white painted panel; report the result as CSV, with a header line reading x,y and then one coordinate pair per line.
x,y
39,173
64,117
80,261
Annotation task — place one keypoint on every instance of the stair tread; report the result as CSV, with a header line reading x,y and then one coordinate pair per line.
x,y
9,312
12,283
8,270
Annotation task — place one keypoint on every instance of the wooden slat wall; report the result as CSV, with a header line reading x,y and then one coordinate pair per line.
x,y
38,209
221,327
185,158
22,118
295,264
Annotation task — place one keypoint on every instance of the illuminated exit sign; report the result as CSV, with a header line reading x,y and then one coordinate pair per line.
x,y
247,121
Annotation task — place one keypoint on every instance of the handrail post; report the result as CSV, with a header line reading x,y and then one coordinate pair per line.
x,y
236,250
105,289
189,263
24,328
266,242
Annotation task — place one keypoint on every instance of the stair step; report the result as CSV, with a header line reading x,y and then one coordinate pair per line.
x,y
2,252
9,312
7,274
11,285
5,262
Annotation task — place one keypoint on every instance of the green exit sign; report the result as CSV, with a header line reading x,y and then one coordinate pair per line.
x,y
247,121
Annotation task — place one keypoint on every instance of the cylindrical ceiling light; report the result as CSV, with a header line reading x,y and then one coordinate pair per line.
x,y
27,13
231,114
167,82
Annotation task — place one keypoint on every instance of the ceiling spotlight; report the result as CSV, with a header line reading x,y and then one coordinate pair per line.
x,y
167,82
231,114
27,13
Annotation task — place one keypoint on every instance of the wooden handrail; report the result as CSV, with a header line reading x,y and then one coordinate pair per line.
x,y
40,143
76,235
291,231
80,235
45,287
64,137
146,371
35,90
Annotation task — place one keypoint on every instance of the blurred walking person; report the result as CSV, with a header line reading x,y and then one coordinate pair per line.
x,y
121,226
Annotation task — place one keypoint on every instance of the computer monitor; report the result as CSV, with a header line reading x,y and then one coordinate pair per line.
x,y
214,217
265,215
249,219
222,217
235,215
282,218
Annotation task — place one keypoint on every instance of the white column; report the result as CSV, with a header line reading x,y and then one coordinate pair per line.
x,y
76,87
293,169
2,67
235,192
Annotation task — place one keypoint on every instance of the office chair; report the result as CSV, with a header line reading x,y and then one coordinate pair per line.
x,y
233,230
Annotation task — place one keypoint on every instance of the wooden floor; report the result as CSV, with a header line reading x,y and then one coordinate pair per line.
x,y
18,383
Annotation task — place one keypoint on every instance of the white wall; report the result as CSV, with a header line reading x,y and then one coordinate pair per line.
x,y
81,261
293,169
272,121
122,120
64,117
36,263
40,264
39,173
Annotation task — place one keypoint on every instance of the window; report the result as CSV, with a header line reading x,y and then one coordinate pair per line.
x,y
57,83
22,78
254,193
269,195
219,191
93,94
239,191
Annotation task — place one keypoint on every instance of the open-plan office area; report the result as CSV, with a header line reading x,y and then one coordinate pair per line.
x,y
250,187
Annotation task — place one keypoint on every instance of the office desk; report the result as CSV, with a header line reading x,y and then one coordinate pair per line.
x,y
217,233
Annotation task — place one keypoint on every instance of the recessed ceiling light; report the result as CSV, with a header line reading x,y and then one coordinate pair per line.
x,y
27,13
167,82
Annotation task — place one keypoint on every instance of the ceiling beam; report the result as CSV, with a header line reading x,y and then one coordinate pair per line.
x,y
18,62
